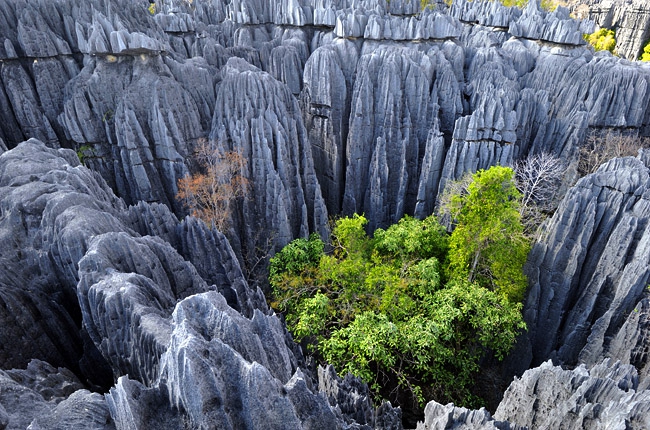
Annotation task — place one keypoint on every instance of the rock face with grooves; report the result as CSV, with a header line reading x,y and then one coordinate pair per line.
x,y
440,417
338,106
147,88
325,103
604,396
44,397
556,26
259,118
393,125
138,134
630,18
128,302
589,272
491,14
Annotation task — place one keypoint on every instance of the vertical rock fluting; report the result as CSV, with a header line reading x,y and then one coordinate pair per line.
x,y
50,207
557,26
52,210
630,19
136,114
379,103
325,102
589,272
487,136
41,44
136,122
140,309
258,117
393,124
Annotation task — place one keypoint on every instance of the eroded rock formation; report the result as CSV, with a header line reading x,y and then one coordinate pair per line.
x,y
589,273
629,18
339,106
604,396
105,291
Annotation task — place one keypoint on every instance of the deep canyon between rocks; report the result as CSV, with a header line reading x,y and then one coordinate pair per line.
x,y
117,311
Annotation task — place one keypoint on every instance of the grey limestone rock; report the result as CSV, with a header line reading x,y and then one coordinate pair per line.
x,y
286,65
487,136
351,400
556,26
287,12
440,417
349,395
47,207
81,409
175,22
210,253
630,18
53,384
43,397
258,116
339,106
133,405
325,102
22,98
128,288
42,42
590,269
139,123
487,13
127,284
20,404
630,345
350,23
428,25
222,370
604,396
394,108
4,418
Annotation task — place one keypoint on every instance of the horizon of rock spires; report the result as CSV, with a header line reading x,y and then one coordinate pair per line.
x,y
340,106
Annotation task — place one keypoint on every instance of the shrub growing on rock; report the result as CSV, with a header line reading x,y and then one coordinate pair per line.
x,y
602,40
384,308
645,56
600,148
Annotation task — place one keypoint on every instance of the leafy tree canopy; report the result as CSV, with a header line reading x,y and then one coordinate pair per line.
x,y
488,244
385,308
602,40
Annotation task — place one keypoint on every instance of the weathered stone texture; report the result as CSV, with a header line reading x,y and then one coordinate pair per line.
x,y
338,106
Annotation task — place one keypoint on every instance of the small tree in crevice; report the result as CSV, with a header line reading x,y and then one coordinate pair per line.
x,y
600,148
538,178
645,55
488,245
602,40
210,192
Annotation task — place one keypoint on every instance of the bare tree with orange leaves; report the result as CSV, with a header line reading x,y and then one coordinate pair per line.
x,y
210,193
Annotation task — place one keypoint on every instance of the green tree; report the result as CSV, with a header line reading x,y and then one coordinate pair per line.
x,y
645,56
488,244
378,307
602,40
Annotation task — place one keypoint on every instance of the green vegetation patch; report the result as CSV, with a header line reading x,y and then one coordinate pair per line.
x,y
602,40
412,310
645,56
